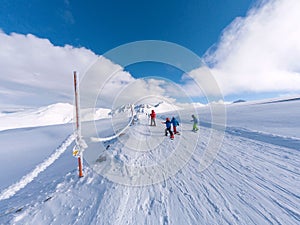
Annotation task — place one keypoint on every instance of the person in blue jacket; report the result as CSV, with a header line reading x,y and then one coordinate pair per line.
x,y
175,123
168,128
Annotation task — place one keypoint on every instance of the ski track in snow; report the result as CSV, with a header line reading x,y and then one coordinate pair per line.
x,y
282,141
11,190
249,182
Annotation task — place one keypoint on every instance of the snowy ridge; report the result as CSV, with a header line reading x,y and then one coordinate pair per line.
x,y
59,113
97,139
268,101
62,113
10,191
163,107
160,107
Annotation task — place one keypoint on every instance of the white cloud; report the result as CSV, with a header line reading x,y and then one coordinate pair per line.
x,y
34,72
261,52
200,82
32,65
138,91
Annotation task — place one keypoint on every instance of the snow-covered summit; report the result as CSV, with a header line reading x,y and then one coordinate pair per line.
x,y
159,107
162,107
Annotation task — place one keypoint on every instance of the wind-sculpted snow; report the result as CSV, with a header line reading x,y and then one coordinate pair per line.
x,y
11,190
250,182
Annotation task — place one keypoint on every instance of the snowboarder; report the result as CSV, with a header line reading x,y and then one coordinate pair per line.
x,y
153,117
195,125
175,123
168,128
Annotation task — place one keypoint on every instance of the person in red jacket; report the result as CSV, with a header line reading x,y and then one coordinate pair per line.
x,y
153,117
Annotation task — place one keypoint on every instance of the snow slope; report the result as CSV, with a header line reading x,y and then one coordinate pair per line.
x,y
253,180
53,114
279,117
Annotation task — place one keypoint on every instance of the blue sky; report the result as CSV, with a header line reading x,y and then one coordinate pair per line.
x,y
250,45
103,25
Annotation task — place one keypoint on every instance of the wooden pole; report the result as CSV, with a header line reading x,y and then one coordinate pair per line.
x,y
78,137
76,101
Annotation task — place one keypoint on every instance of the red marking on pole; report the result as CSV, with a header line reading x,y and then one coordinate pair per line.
x,y
80,167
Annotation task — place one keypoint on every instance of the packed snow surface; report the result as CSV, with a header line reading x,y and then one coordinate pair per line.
x,y
254,178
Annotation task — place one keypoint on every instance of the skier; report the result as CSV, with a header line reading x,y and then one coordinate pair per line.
x,y
153,116
175,123
195,125
135,119
168,128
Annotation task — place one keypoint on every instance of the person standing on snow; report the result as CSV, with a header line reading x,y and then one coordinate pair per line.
x,y
168,128
153,117
175,123
135,119
195,125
